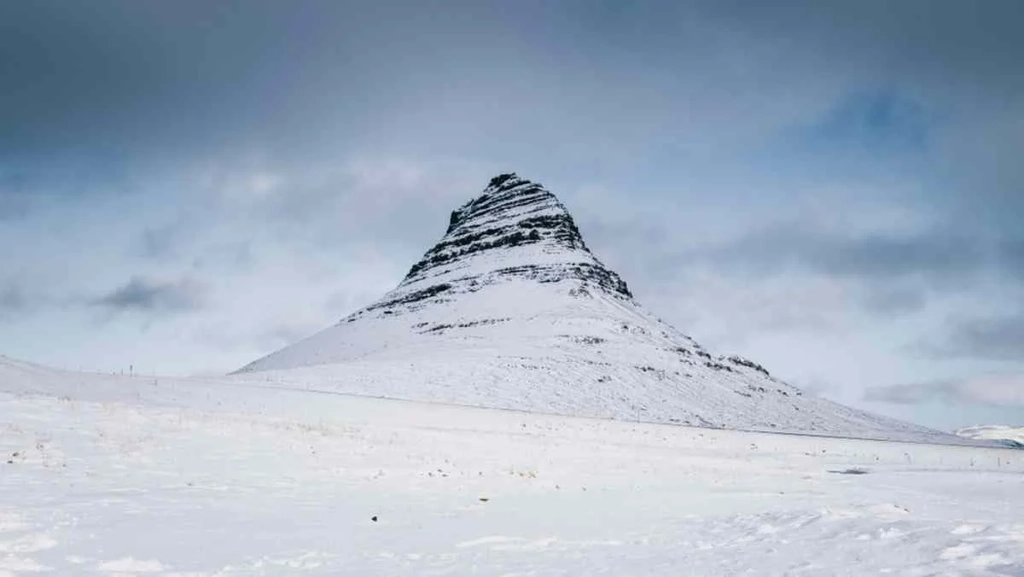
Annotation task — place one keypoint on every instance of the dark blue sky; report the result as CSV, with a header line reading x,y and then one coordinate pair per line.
x,y
831,188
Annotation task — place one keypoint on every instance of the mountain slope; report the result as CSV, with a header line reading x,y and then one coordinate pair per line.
x,y
510,309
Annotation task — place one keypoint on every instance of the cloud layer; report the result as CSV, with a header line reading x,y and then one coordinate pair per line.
x,y
999,391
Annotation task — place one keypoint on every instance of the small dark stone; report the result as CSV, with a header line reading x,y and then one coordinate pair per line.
x,y
853,471
374,518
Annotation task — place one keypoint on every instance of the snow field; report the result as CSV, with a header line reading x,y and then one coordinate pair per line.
x,y
119,476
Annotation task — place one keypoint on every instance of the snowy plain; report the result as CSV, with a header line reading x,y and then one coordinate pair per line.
x,y
106,475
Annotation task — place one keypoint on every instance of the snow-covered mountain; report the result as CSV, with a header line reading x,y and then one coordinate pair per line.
x,y
1011,436
510,309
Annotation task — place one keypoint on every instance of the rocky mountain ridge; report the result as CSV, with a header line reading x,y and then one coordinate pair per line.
x,y
512,216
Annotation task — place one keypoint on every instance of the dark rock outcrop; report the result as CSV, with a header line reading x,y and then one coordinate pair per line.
x,y
512,215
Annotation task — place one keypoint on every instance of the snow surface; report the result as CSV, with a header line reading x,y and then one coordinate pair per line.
x,y
1012,435
511,310
106,475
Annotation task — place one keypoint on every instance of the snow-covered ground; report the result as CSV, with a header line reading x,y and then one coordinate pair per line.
x,y
142,476
994,433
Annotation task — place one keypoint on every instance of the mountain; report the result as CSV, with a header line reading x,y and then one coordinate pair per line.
x,y
511,309
1006,435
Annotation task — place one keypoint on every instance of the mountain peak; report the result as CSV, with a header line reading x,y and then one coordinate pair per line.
x,y
515,228
505,193
512,212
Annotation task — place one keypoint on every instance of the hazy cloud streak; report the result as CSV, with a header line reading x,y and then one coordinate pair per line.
x,y
145,295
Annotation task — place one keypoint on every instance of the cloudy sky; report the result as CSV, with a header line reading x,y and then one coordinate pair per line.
x,y
834,189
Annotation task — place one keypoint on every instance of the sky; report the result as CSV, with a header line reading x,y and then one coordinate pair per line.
x,y
833,189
